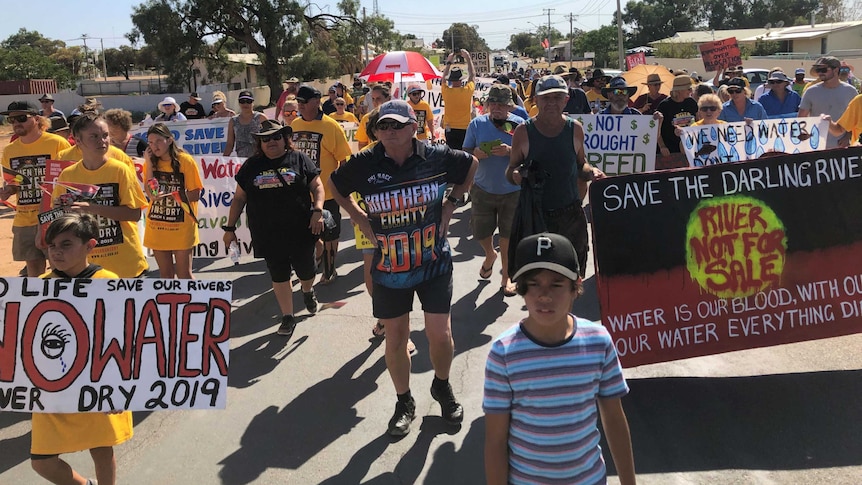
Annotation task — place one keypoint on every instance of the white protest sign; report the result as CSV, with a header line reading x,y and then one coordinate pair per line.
x,y
620,144
350,132
96,345
197,137
733,142
217,174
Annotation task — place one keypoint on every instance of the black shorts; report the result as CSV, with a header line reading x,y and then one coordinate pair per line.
x,y
571,222
335,210
42,457
435,296
299,258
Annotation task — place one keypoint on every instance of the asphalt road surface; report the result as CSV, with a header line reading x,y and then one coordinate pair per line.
x,y
314,409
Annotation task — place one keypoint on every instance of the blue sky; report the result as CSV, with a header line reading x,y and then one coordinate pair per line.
x,y
110,19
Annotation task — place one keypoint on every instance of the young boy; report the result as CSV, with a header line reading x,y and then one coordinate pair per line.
x,y
544,377
70,239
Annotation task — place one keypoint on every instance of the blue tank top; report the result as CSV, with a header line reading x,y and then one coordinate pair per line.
x,y
556,163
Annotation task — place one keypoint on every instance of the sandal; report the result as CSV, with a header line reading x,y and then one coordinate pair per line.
x,y
509,290
378,330
485,273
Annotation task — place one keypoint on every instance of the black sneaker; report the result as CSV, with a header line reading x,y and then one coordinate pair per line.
x,y
399,425
288,324
310,301
452,411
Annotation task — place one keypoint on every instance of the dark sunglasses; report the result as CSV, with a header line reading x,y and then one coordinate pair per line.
x,y
774,81
709,108
43,101
418,93
273,137
619,92
822,70
385,125
246,101
19,118
734,90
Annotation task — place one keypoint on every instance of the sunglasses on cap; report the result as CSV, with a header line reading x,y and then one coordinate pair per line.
x,y
386,125
823,69
734,90
246,101
273,137
709,108
19,118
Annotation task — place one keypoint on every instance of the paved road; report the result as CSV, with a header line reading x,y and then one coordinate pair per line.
x,y
314,409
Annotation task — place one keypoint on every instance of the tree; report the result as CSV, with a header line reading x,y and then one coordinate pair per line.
x,y
463,36
275,30
603,42
29,55
658,19
120,61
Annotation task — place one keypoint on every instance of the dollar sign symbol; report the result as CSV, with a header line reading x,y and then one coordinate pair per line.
x,y
634,124
652,123
589,127
646,138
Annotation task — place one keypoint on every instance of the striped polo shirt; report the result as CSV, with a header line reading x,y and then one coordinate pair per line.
x,y
550,394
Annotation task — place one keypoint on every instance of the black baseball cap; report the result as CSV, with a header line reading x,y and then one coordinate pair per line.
x,y
20,107
307,92
546,251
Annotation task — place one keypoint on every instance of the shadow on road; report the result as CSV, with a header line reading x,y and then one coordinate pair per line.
x,y
289,437
774,422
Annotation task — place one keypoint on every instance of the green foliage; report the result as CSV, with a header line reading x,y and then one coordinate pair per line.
x,y
464,37
677,50
29,55
603,42
765,47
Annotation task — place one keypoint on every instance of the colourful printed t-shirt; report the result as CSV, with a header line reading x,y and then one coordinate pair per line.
x,y
169,227
29,159
550,393
405,209
676,114
119,246
324,142
423,113
54,433
459,105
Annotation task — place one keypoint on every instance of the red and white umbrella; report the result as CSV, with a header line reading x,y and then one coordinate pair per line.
x,y
400,66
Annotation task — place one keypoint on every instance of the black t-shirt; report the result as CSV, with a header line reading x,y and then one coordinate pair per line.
x,y
278,200
578,103
328,107
404,206
193,111
675,114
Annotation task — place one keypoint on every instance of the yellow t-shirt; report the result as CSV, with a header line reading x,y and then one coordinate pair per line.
x,y
534,111
29,159
168,226
324,142
74,153
361,132
459,105
593,96
119,246
55,433
700,122
423,113
346,117
851,120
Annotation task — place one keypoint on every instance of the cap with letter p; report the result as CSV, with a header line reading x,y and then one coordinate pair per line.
x,y
548,251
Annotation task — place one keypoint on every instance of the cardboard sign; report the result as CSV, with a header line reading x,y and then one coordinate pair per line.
x,y
720,54
635,59
217,174
733,142
481,61
729,257
95,345
620,144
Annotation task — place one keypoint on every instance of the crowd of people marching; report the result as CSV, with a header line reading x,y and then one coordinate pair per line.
x,y
410,178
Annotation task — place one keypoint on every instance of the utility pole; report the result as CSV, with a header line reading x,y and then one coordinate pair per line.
x,y
549,10
104,60
620,37
571,37
365,31
86,55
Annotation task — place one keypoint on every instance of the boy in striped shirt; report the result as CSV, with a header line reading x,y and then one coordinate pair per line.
x,y
545,378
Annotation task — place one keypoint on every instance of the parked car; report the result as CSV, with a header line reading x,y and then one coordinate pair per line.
x,y
755,77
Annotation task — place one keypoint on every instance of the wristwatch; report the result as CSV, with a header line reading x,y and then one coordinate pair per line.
x,y
454,200
228,228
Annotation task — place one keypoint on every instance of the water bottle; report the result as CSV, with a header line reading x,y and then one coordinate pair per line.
x,y
233,252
